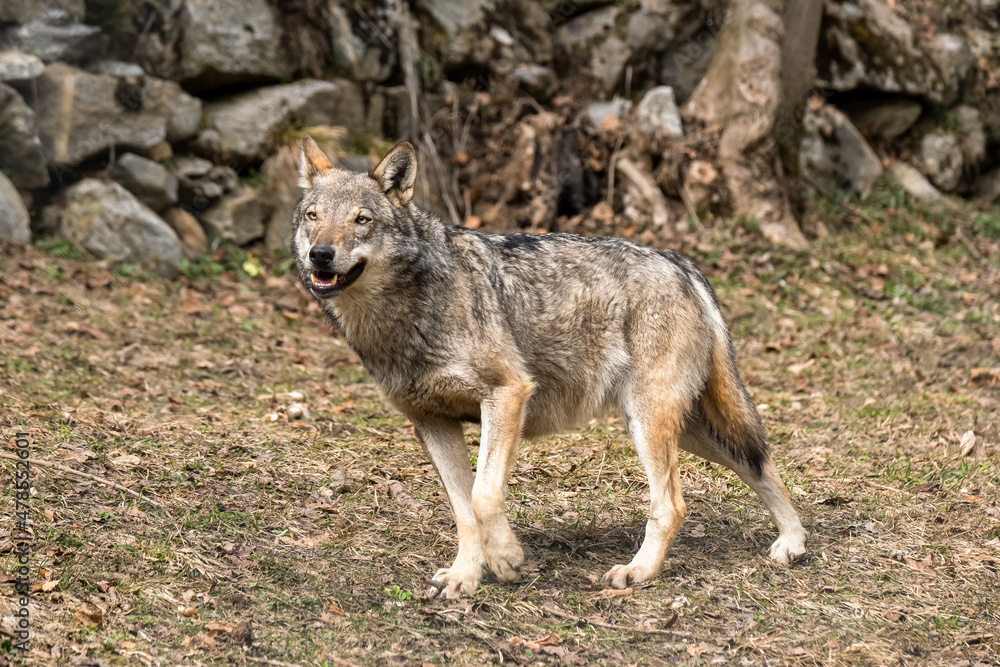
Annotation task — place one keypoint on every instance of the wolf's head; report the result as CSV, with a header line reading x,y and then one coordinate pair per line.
x,y
339,227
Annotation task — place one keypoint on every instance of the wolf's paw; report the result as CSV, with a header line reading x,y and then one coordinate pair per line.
x,y
504,555
788,548
620,576
462,578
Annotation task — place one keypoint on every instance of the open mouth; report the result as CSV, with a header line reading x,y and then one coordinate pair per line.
x,y
325,283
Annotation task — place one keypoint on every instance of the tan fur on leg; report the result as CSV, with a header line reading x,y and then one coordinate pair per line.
x,y
503,421
445,444
654,424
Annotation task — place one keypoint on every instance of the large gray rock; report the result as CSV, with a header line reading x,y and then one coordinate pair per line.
x,y
108,222
657,115
249,123
149,181
237,217
184,117
20,150
25,11
82,114
231,41
607,63
491,34
585,30
834,155
54,36
914,182
14,220
536,80
973,134
953,59
18,66
988,188
588,42
282,193
461,28
885,117
867,44
941,154
200,192
189,166
359,46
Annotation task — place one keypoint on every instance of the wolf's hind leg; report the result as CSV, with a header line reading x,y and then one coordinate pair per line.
x,y
791,543
654,423
445,444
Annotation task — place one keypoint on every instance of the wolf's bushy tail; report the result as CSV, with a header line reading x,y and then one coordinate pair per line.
x,y
728,409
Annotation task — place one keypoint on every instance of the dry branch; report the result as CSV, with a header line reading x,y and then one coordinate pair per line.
x,y
647,189
610,626
71,471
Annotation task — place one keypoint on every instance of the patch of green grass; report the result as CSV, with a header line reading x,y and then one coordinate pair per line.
x,y
201,268
254,178
397,593
749,224
987,224
58,246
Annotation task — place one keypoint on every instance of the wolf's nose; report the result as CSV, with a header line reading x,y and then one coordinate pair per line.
x,y
321,255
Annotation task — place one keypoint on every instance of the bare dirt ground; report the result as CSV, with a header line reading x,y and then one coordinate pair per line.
x,y
309,541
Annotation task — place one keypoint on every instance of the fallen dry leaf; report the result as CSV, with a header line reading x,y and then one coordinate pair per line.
x,y
798,368
973,445
125,461
985,377
87,617
333,620
538,644
220,626
190,304
920,566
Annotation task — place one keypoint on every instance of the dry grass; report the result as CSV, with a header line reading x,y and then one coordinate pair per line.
x,y
321,532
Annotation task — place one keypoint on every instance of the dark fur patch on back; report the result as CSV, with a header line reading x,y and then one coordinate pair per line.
x,y
521,242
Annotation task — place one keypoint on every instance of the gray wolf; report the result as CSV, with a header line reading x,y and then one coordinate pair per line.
x,y
528,334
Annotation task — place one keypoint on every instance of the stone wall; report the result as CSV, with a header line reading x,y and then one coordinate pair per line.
x,y
144,132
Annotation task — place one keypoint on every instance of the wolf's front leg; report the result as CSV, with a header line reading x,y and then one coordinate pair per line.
x,y
503,420
445,444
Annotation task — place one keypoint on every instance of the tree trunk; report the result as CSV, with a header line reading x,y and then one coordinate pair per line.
x,y
741,95
798,72
798,54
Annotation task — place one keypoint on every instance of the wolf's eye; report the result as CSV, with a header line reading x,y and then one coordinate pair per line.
x,y
311,215
363,219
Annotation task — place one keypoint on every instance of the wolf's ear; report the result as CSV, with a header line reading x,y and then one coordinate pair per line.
x,y
312,163
396,174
